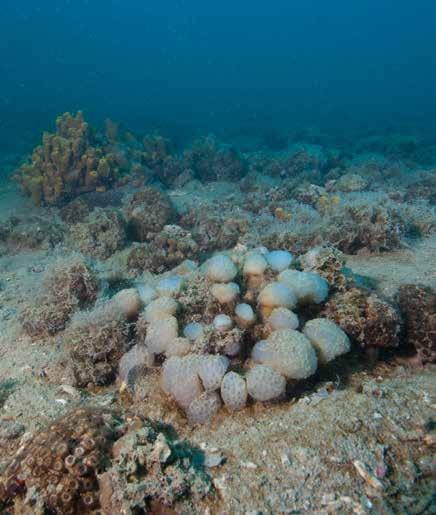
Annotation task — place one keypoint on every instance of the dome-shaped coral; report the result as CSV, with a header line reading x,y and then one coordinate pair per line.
x,y
288,352
234,391
328,339
265,383
276,295
220,269
309,287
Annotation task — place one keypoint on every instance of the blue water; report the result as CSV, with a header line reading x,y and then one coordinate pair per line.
x,y
185,67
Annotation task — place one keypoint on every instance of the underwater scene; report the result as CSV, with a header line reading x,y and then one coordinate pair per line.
x,y
217,257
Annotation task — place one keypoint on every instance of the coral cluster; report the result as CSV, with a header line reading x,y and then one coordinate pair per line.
x,y
361,224
204,322
57,470
349,182
373,228
29,232
167,249
211,230
94,461
66,164
302,160
418,307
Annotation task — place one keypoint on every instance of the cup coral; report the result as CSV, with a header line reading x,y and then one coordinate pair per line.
x,y
234,391
254,268
128,301
264,383
279,260
276,295
282,318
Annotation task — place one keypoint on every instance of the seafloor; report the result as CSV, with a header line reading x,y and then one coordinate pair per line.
x,y
358,437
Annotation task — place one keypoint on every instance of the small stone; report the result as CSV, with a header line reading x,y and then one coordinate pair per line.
x,y
161,451
367,476
213,459
70,390
327,499
427,465
381,471
248,465
220,484
284,458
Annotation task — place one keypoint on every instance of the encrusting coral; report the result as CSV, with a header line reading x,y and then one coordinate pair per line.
x,y
30,232
66,164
